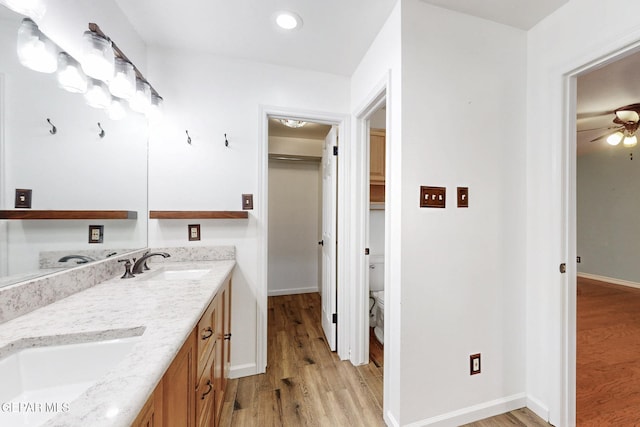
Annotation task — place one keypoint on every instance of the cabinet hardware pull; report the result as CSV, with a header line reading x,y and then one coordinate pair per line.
x,y
208,391
227,336
210,331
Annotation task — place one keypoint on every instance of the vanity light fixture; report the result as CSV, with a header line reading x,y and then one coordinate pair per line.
x,y
35,9
288,20
293,123
97,56
97,95
155,110
70,75
35,50
123,84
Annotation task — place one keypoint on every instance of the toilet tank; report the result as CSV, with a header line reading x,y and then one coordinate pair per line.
x,y
376,273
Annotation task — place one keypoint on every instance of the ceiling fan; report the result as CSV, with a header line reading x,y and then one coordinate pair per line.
x,y
627,120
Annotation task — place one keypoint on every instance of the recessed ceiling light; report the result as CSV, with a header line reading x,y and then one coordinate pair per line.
x,y
288,20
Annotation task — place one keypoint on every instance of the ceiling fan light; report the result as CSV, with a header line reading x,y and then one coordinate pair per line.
x,y
293,123
630,141
615,138
627,116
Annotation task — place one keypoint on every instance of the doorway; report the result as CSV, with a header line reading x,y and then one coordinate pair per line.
x,y
262,216
606,206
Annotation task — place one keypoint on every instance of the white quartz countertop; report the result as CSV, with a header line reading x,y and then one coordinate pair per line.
x,y
164,311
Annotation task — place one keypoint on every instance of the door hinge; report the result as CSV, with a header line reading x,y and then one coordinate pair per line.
x,y
563,268
335,318
366,251
335,150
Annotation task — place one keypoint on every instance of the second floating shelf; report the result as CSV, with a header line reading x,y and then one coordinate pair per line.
x,y
198,214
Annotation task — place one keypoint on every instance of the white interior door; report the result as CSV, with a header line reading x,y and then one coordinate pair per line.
x,y
329,241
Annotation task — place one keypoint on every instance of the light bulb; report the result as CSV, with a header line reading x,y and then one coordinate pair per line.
x,y
35,50
155,111
70,75
141,100
97,56
615,138
630,141
97,95
288,20
123,84
116,109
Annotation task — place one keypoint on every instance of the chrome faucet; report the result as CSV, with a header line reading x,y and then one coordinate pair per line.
x,y
141,264
83,259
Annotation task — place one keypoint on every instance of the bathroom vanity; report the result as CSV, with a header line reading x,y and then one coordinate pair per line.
x,y
176,369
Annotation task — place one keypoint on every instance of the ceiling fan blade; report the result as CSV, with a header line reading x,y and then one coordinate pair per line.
x,y
600,137
600,128
592,114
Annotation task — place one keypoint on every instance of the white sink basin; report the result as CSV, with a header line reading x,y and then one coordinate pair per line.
x,y
182,274
53,377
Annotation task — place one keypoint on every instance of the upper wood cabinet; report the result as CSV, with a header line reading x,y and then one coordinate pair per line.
x,y
377,155
377,167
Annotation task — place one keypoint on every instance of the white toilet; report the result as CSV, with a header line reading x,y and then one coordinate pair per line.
x,y
376,290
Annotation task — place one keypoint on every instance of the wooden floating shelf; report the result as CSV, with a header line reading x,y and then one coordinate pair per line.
x,y
56,214
198,214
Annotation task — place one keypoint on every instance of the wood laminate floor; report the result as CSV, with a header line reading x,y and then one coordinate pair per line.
x,y
307,385
608,349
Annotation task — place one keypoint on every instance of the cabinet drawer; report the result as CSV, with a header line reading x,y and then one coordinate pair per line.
x,y
205,394
206,335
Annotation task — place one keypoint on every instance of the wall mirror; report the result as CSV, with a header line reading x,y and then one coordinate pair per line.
x,y
77,167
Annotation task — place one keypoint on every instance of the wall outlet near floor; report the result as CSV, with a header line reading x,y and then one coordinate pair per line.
x,y
474,364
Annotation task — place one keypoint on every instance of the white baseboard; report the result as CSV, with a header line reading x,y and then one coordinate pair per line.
x,y
538,408
245,370
390,420
475,412
610,280
292,291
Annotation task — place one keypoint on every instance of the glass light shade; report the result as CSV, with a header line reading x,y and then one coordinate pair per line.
x,y
141,100
97,95
627,116
35,50
293,123
116,109
34,9
615,138
70,75
630,141
288,20
155,111
123,83
97,56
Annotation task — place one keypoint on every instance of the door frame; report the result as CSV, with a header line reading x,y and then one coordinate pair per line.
x,y
344,206
569,234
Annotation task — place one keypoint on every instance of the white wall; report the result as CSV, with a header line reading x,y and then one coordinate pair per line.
x,y
294,226
608,238
581,32
463,281
213,96
376,231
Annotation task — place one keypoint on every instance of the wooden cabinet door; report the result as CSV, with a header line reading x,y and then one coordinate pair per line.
x,y
226,326
377,155
178,403
151,413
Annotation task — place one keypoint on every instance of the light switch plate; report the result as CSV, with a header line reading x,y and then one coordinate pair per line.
x,y
247,202
433,197
194,232
23,198
96,233
463,197
474,364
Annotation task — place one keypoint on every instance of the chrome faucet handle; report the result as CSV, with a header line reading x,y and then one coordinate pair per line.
x,y
127,269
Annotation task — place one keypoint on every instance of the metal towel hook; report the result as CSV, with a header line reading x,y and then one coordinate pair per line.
x,y
226,141
188,137
53,129
101,134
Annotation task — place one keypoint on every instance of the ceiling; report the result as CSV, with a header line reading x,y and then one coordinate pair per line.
x,y
523,14
308,131
601,91
334,36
